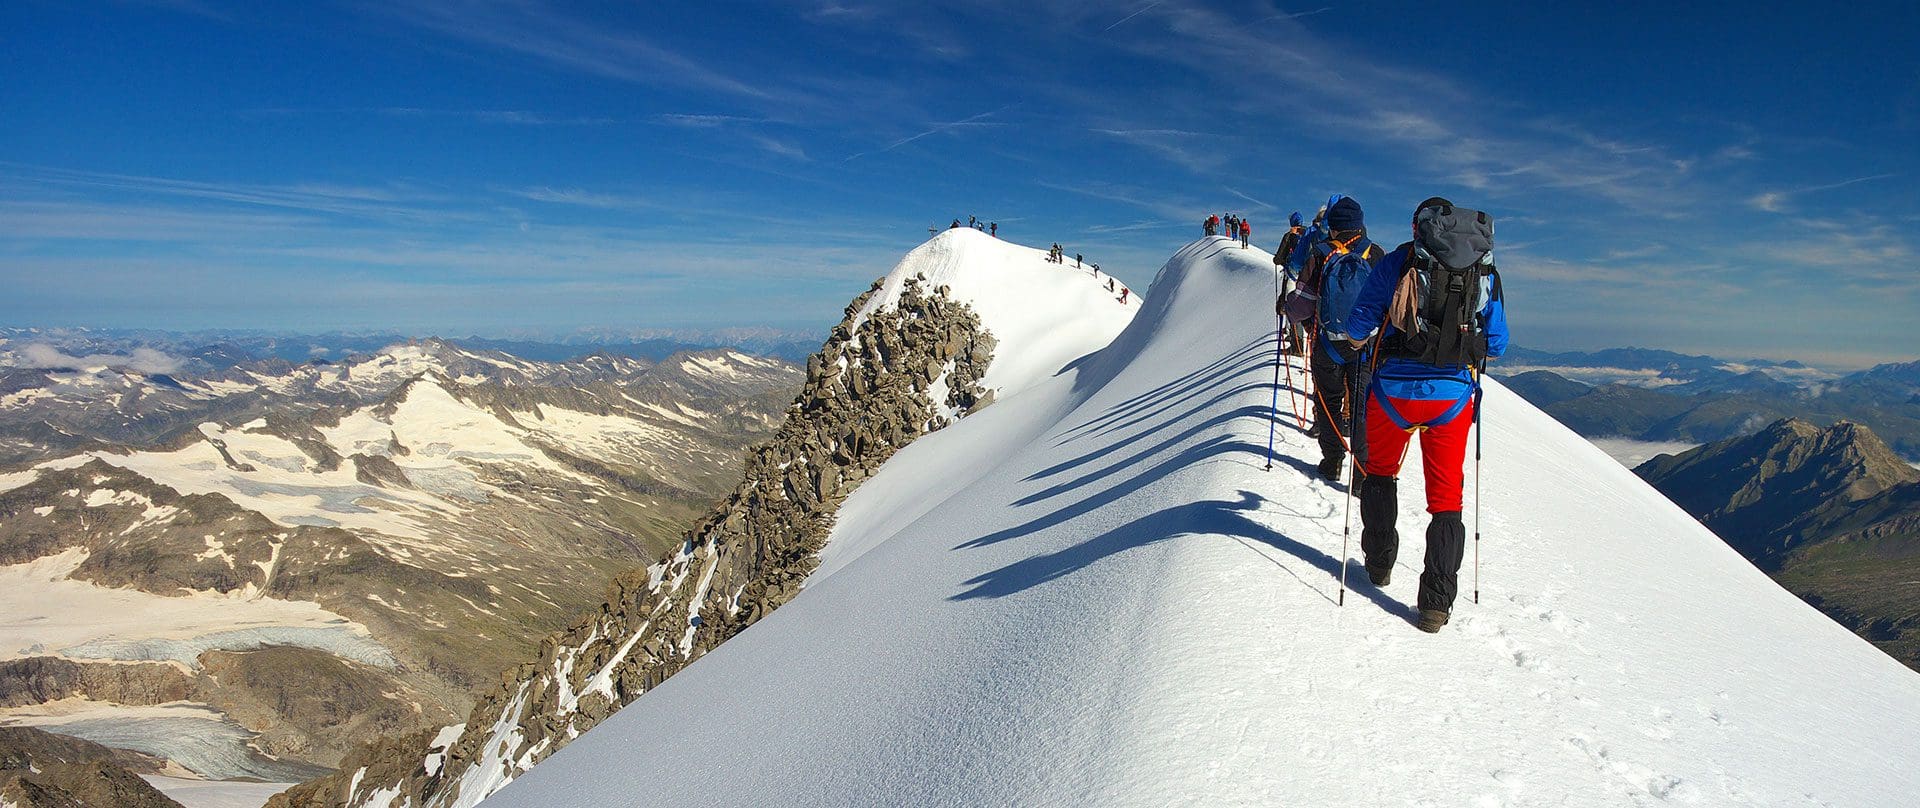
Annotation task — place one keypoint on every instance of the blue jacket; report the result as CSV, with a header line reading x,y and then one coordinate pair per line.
x,y
1404,378
1303,249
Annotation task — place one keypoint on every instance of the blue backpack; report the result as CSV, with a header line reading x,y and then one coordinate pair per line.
x,y
1343,274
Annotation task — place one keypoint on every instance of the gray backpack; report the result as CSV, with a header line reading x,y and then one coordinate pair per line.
x,y
1449,277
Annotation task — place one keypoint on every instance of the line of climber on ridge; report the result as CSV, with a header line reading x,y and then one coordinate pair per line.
x,y
1398,341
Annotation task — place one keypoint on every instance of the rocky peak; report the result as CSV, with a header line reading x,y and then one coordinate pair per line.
x,y
1752,489
887,375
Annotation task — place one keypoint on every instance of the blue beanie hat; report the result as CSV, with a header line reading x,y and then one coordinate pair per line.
x,y
1346,215
1295,220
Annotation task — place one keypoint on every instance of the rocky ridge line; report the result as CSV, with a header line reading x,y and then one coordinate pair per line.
x,y
39,769
869,391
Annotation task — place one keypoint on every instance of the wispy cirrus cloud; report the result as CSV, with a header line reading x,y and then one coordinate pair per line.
x,y
1143,9
515,117
590,199
390,202
1297,14
1776,201
509,117
1258,204
1426,122
971,121
562,38
780,147
697,120
1199,152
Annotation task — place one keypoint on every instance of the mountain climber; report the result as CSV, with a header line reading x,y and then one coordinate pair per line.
x,y
1211,224
1296,229
1335,274
993,229
1437,306
1123,295
1303,247
1076,260
1246,233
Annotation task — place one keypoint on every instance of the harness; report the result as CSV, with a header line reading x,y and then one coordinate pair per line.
x,y
1472,396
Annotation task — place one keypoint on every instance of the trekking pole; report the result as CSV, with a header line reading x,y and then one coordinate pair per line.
x,y
1353,472
1479,437
1294,393
1279,356
1346,522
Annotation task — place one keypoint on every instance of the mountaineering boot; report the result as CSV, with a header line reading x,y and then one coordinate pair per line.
x,y
1330,467
1431,620
1379,539
1446,545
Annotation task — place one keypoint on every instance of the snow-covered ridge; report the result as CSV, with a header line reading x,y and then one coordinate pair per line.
x,y
1092,594
1050,312
903,363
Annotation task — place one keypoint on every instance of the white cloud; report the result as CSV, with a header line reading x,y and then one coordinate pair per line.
x,y
558,37
142,360
970,121
1776,201
780,147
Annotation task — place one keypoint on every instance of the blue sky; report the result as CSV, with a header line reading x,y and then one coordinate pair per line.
x,y
1732,181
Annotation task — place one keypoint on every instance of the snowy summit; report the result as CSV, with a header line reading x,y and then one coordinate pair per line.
x,y
1091,593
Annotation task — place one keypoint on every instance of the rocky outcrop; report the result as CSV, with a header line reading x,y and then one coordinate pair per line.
x,y
313,706
36,680
886,375
41,770
380,471
1832,514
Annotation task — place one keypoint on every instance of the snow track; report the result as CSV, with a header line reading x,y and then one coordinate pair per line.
x,y
1092,594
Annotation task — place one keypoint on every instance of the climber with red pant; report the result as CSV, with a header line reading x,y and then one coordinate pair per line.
x,y
1433,313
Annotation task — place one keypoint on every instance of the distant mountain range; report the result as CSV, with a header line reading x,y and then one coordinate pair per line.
x,y
1652,367
247,565
1664,396
1832,514
203,351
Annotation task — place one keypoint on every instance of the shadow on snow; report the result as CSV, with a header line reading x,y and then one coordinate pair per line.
x,y
1209,517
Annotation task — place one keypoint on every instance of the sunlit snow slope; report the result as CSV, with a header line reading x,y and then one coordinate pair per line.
x,y
1045,314
1092,594
988,320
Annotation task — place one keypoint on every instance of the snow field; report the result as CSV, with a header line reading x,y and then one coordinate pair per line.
x,y
43,612
1093,594
215,794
